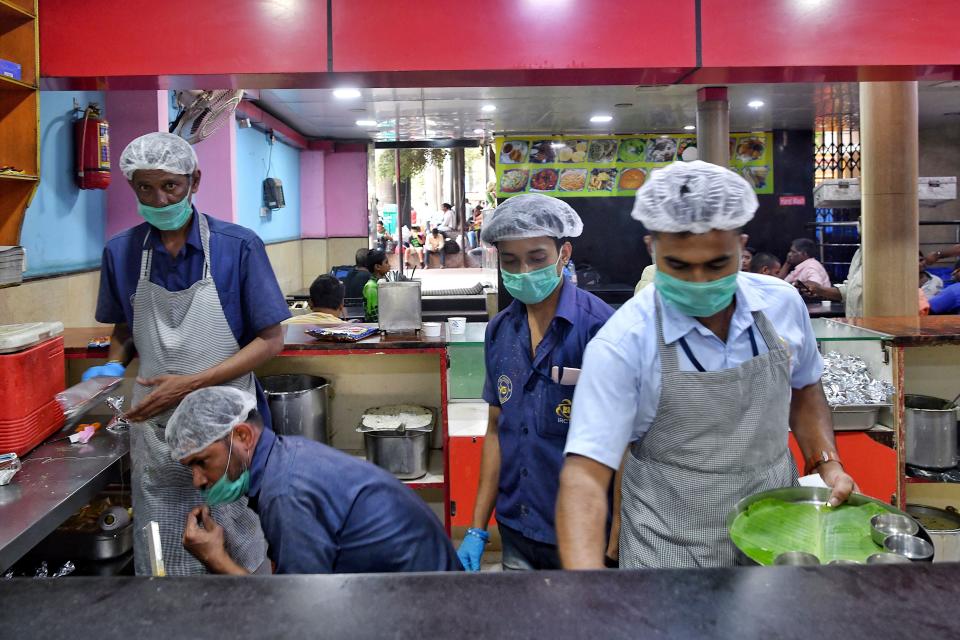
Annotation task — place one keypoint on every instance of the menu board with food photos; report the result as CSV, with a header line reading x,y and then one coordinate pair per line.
x,y
598,166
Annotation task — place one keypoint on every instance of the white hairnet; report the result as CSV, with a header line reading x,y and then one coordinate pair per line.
x,y
205,416
531,215
158,150
694,197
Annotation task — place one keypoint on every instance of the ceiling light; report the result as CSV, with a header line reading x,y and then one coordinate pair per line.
x,y
366,123
488,108
346,93
690,127
623,105
601,118
755,104
479,131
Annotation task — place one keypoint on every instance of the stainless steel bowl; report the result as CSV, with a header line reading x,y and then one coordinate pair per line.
x,y
887,558
842,561
910,547
888,524
796,558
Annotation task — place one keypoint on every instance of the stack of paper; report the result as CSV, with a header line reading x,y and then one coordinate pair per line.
x,y
11,265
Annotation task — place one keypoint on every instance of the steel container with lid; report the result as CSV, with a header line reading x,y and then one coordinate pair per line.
x,y
401,449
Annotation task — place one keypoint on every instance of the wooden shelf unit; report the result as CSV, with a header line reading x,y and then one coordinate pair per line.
x,y
19,115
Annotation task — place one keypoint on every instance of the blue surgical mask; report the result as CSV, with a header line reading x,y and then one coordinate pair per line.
x,y
170,217
225,490
696,299
534,286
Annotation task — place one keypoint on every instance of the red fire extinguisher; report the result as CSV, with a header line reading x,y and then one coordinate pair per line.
x,y
92,136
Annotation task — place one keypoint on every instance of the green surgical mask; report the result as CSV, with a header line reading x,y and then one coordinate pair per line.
x,y
534,286
170,217
696,299
225,490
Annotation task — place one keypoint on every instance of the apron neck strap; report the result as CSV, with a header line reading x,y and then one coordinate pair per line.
x,y
146,254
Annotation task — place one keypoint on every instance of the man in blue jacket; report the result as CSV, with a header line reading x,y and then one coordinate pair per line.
x,y
322,511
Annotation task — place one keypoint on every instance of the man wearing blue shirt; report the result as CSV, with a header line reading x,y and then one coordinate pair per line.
x,y
533,351
322,511
700,376
197,300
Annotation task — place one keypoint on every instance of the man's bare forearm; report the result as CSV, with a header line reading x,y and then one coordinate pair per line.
x,y
582,513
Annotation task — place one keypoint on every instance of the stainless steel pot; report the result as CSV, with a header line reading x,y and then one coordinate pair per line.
x,y
931,432
943,526
299,405
405,454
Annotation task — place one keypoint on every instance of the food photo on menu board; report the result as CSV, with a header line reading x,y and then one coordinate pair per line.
x,y
615,165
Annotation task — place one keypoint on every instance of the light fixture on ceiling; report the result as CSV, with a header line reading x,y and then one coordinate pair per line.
x,y
346,93
358,110
755,104
366,123
601,118
487,108
690,127
479,131
623,105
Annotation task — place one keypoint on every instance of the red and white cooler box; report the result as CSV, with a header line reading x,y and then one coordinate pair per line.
x,y
32,373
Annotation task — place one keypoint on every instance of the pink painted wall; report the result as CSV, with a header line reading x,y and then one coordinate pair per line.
x,y
345,194
131,114
313,220
217,158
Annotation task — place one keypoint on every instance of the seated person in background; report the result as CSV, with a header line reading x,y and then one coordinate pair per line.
x,y
948,300
322,511
415,245
378,266
801,265
435,242
765,264
746,256
326,302
353,283
930,284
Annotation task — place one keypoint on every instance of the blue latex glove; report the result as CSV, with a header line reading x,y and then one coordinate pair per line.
x,y
110,370
471,549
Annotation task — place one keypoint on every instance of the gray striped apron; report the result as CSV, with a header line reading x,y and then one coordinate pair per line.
x,y
718,436
181,333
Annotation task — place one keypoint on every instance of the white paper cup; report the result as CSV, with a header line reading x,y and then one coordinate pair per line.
x,y
431,329
458,326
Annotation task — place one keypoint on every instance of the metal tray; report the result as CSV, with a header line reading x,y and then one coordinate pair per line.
x,y
856,417
813,495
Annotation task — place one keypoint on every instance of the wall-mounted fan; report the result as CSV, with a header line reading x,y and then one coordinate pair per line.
x,y
203,112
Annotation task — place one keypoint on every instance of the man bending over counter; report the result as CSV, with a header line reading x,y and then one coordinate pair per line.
x,y
321,510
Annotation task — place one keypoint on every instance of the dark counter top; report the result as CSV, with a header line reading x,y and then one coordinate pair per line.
x,y
913,331
894,601
75,342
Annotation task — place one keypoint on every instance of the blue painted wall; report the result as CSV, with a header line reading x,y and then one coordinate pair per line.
x,y
64,226
253,150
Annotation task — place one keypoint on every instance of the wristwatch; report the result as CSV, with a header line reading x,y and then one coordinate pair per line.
x,y
823,457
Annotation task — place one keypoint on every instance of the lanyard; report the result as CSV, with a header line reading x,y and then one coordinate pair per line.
x,y
696,363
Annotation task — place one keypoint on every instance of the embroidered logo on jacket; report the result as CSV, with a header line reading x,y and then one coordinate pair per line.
x,y
563,411
504,388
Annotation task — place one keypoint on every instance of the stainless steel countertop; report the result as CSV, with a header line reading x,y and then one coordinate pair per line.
x,y
57,479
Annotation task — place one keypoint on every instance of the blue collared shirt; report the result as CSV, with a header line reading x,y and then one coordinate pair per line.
x,y
947,301
534,410
619,388
248,289
323,511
